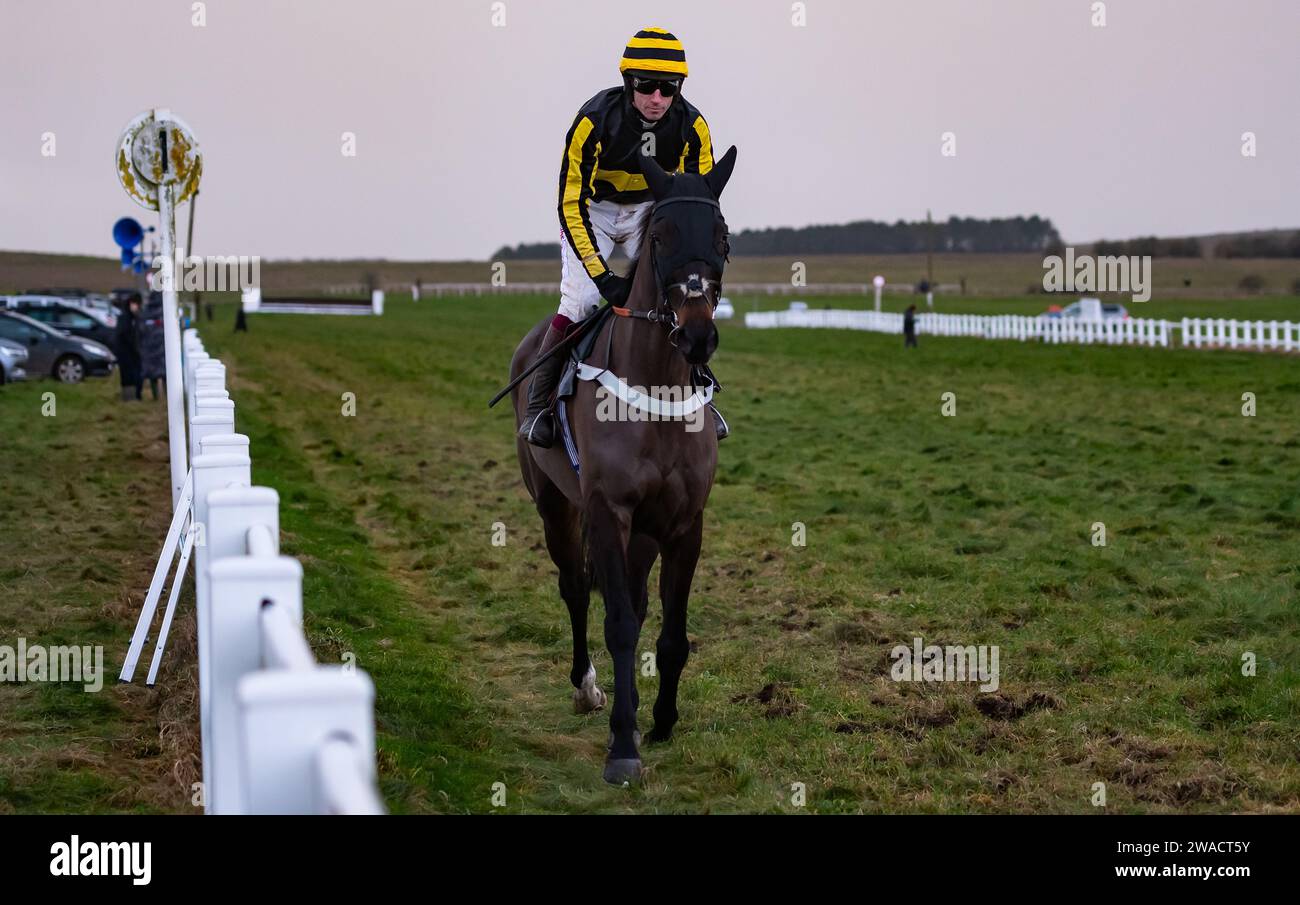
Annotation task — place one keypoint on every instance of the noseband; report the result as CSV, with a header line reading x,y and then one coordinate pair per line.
x,y
693,287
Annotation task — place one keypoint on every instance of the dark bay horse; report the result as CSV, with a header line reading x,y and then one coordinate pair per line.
x,y
643,483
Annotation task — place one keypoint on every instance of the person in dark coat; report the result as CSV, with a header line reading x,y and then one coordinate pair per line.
x,y
126,346
153,344
909,326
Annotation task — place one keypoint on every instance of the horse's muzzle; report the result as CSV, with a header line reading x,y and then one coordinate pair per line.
x,y
699,340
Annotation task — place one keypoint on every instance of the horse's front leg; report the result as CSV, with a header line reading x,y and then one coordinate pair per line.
x,y
609,528
675,577
563,525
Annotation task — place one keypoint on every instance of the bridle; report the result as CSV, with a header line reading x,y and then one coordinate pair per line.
x,y
693,287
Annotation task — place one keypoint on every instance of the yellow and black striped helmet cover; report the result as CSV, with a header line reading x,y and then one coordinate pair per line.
x,y
654,50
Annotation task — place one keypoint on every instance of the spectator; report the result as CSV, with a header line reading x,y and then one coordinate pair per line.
x,y
241,320
126,346
909,327
928,290
153,345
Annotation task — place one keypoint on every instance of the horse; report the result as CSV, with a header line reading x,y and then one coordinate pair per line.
x,y
643,484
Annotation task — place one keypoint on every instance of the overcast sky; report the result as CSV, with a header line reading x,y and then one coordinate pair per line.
x,y
1128,129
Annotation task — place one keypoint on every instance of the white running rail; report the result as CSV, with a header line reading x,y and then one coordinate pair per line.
x,y
281,734
1196,333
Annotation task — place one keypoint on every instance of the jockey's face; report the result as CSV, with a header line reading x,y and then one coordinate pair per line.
x,y
651,106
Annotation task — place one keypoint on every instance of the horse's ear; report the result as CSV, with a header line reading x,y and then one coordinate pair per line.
x,y
721,172
655,177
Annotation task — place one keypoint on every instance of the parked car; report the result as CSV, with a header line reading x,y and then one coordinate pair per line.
x,y
1089,309
50,352
101,306
65,316
97,303
12,358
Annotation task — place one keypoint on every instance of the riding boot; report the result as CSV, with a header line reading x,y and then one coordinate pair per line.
x,y
538,426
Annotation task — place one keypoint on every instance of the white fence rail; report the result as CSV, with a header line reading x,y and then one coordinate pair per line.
x,y
280,733
1195,333
1201,333
253,302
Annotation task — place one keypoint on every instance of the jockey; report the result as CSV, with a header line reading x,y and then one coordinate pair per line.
x,y
604,200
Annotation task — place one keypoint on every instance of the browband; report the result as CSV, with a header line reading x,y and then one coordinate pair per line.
x,y
687,198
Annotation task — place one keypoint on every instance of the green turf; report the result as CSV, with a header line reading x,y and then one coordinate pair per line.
x,y
973,529
86,499
1119,664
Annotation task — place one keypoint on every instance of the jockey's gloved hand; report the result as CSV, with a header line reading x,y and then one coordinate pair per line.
x,y
614,288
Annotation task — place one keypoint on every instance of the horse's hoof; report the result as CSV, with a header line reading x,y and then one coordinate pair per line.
x,y
623,771
656,736
588,697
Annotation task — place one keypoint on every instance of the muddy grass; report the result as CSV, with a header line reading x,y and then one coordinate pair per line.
x,y
87,504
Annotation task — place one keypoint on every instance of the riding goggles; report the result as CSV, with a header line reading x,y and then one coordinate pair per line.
x,y
666,87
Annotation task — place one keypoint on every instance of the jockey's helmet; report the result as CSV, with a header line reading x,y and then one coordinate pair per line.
x,y
653,53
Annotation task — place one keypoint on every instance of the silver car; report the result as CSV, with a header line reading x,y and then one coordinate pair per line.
x,y
12,358
65,358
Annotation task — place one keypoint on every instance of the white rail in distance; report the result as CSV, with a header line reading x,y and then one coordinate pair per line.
x,y
1196,333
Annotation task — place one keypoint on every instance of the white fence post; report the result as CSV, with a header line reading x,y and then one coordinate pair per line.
x,y
203,426
223,443
211,472
237,584
288,718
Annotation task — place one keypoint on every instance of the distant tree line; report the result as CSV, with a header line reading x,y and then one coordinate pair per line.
x,y
1149,246
958,234
527,251
1259,246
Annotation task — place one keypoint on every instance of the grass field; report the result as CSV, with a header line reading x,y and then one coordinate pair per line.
x,y
1120,664
86,501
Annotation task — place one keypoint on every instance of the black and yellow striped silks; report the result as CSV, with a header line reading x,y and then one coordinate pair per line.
x,y
600,161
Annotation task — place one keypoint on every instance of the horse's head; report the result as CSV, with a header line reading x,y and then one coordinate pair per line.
x,y
688,250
